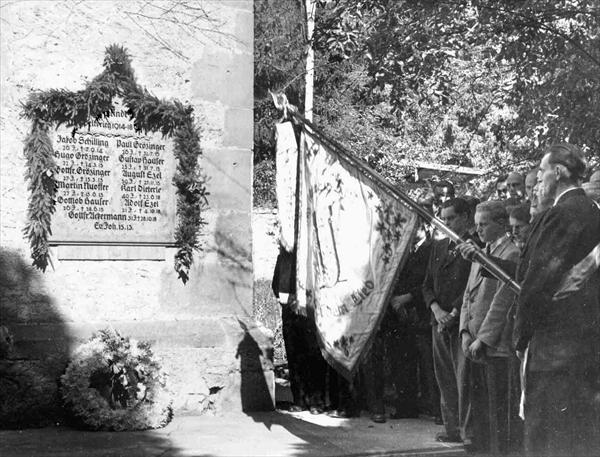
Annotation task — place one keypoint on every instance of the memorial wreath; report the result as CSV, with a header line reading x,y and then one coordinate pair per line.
x,y
55,107
116,383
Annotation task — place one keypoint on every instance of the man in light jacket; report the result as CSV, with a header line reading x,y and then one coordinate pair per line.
x,y
485,333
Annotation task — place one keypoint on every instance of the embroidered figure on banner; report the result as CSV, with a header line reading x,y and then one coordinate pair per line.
x,y
391,227
328,198
325,233
344,344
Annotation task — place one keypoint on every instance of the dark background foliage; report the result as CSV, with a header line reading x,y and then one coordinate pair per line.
x,y
476,83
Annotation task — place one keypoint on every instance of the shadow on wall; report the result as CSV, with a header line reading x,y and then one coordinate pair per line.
x,y
255,349
35,346
34,350
237,259
255,364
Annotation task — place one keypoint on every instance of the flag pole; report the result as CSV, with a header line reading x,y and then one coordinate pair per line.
x,y
281,103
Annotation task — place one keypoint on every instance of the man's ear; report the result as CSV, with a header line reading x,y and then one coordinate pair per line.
x,y
562,172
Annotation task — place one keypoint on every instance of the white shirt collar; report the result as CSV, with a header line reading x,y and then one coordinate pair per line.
x,y
563,193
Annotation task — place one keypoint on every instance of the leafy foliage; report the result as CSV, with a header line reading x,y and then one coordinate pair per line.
x,y
27,391
267,310
466,83
116,383
42,187
510,77
76,109
264,184
191,195
279,50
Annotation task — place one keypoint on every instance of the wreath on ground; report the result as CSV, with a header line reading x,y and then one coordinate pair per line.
x,y
52,108
116,383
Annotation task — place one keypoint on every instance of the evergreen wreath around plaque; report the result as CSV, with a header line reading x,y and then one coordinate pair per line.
x,y
55,107
116,383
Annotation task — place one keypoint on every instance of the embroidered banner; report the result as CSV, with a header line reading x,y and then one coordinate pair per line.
x,y
353,237
286,163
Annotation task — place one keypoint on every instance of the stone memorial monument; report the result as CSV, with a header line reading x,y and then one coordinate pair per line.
x,y
107,203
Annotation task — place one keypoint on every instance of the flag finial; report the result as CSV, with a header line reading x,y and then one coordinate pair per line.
x,y
281,103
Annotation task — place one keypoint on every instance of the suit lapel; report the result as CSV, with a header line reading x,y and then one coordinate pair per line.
x,y
529,243
475,279
448,257
532,233
498,251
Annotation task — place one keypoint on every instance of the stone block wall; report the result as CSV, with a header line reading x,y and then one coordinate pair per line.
x,y
219,359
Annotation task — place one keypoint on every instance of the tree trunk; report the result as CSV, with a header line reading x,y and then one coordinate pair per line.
x,y
310,6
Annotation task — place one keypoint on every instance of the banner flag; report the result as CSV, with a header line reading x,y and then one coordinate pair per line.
x,y
286,163
353,237
579,275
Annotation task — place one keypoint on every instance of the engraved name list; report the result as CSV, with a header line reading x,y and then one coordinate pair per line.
x,y
114,185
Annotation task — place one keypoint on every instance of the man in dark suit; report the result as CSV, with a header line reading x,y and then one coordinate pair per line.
x,y
445,280
409,336
306,367
560,335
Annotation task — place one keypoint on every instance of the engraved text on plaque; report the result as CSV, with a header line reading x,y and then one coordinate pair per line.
x,y
114,185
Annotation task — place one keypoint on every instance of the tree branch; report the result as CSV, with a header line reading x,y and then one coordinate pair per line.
x,y
544,26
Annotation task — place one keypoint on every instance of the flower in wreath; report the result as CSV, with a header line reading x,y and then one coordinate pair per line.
x,y
116,383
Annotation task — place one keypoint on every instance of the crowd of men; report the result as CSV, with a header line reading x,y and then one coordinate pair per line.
x,y
508,371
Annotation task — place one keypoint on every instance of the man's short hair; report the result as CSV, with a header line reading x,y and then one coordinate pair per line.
x,y
569,156
426,202
459,204
444,183
472,202
515,175
521,213
443,189
496,209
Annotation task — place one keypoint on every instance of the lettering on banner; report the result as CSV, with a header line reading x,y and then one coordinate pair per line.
x,y
350,302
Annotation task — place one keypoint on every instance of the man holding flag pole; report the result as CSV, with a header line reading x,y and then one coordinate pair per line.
x,y
354,232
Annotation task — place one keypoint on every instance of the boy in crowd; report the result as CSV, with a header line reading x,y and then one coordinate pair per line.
x,y
485,335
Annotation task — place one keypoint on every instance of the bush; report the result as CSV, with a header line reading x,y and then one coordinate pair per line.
x,y
264,184
267,311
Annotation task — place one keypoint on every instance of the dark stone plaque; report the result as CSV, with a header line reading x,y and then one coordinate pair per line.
x,y
115,185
